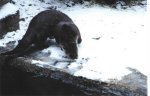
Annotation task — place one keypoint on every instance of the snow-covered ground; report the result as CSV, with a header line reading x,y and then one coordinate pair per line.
x,y
4,11
113,39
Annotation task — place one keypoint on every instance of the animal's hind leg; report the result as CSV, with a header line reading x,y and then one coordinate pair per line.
x,y
21,53
43,43
38,45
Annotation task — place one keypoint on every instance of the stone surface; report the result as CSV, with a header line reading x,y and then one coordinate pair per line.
x,y
108,2
134,84
112,3
9,23
3,2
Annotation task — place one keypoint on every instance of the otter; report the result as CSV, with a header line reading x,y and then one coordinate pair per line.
x,y
49,24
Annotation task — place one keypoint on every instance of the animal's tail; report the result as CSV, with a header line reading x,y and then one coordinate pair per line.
x,y
2,59
5,58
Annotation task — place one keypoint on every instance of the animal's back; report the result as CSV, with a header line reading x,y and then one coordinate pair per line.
x,y
49,18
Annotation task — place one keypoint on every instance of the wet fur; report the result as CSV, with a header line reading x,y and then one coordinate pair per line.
x,y
49,24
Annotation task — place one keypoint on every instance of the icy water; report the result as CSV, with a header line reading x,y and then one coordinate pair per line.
x,y
15,82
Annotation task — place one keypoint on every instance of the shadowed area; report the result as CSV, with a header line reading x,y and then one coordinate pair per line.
x,y
16,82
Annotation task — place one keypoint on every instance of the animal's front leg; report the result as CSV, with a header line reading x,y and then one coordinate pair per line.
x,y
79,40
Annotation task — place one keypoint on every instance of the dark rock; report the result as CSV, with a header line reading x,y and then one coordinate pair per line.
x,y
111,3
107,2
22,19
70,3
42,0
114,3
30,4
9,23
3,2
133,84
16,82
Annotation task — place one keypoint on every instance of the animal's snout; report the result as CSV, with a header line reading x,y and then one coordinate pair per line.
x,y
70,49
73,56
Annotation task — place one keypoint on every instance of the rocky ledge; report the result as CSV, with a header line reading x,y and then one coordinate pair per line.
x,y
133,84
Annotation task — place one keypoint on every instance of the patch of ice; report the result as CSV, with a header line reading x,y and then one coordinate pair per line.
x,y
38,61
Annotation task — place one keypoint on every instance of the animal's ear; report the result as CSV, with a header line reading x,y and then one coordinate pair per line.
x,y
65,27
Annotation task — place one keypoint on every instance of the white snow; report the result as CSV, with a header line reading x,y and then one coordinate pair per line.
x,y
122,42
5,12
148,36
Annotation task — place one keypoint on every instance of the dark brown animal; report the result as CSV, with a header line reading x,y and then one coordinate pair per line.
x,y
49,24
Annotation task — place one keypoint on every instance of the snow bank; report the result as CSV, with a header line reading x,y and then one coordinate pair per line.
x,y
122,43
113,40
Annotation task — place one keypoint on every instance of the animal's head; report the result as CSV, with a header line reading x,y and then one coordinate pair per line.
x,y
68,40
